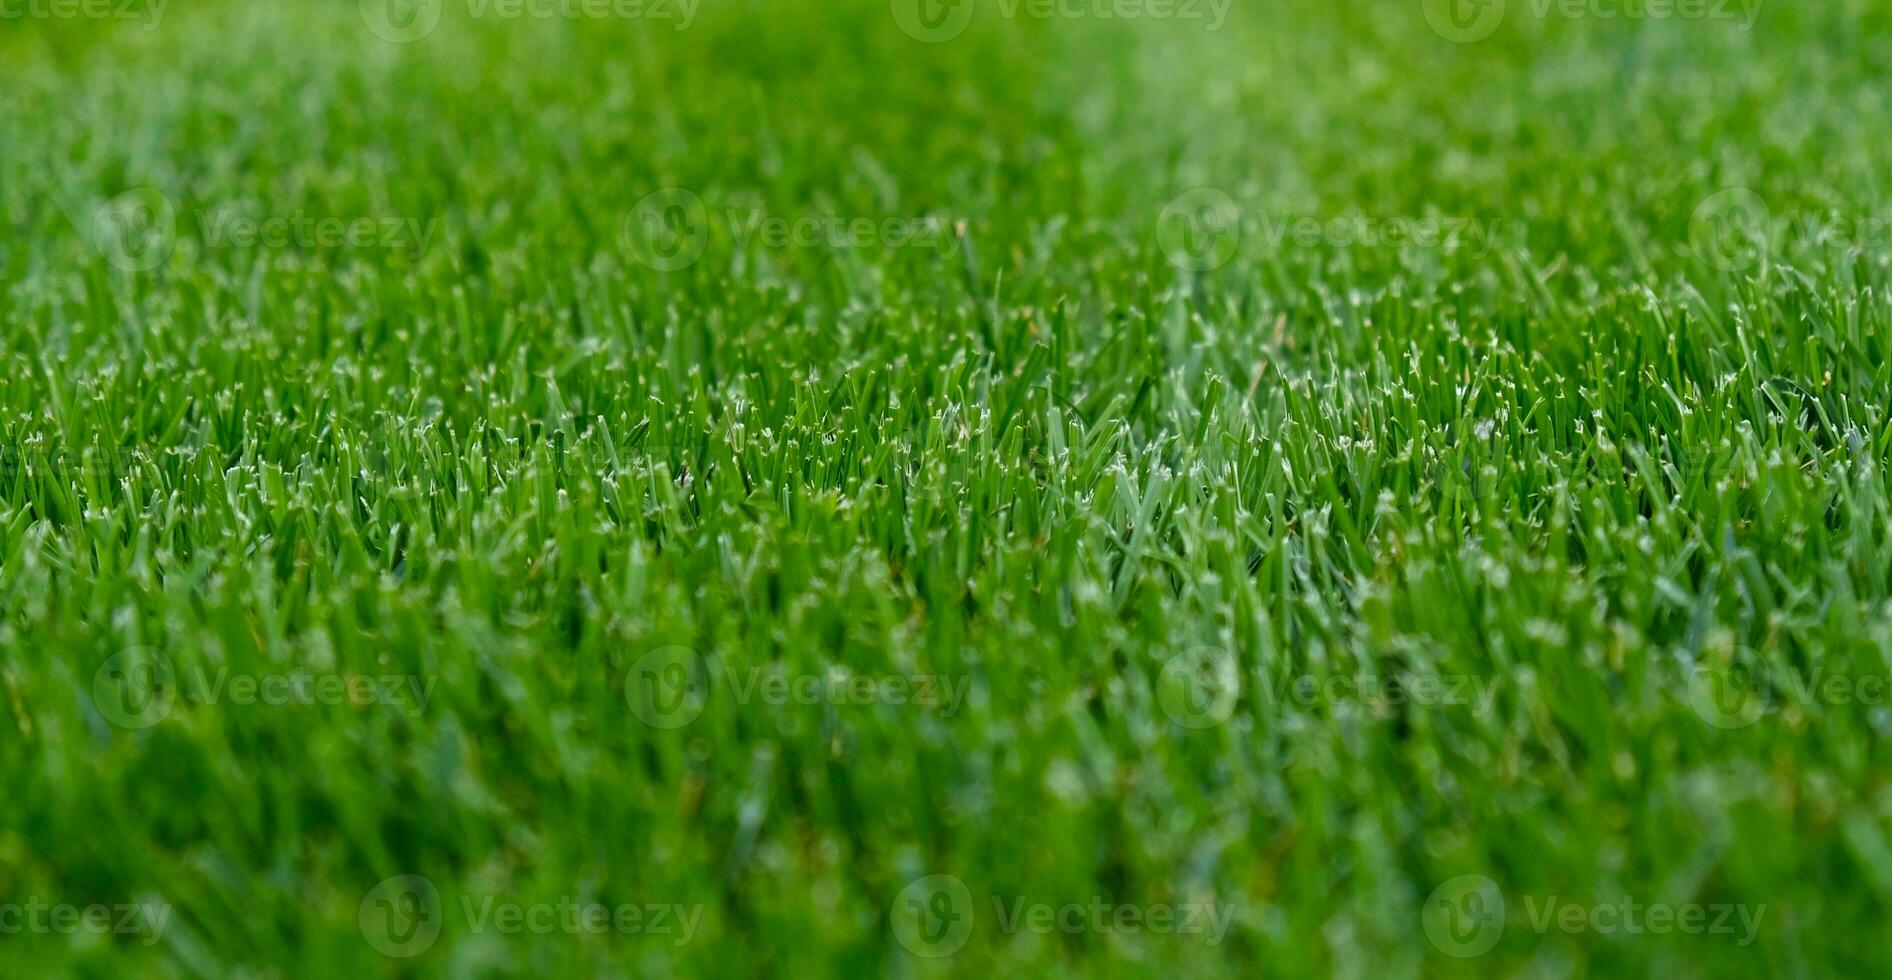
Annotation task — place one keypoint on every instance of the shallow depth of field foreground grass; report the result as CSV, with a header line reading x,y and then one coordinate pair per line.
x,y
837,489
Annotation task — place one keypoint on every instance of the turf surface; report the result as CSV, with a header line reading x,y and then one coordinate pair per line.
x,y
1271,489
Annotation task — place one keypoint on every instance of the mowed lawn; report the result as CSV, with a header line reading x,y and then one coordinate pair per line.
x,y
851,488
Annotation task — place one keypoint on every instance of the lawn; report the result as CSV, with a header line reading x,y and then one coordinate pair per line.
x,y
1097,488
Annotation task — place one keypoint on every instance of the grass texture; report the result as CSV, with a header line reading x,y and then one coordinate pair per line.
x,y
842,489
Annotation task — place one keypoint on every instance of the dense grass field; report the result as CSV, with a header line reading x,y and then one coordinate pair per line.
x,y
1156,488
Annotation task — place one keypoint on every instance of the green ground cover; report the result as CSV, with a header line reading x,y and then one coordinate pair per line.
x,y
1260,489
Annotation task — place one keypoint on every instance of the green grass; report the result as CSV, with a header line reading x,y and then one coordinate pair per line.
x,y
1082,525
